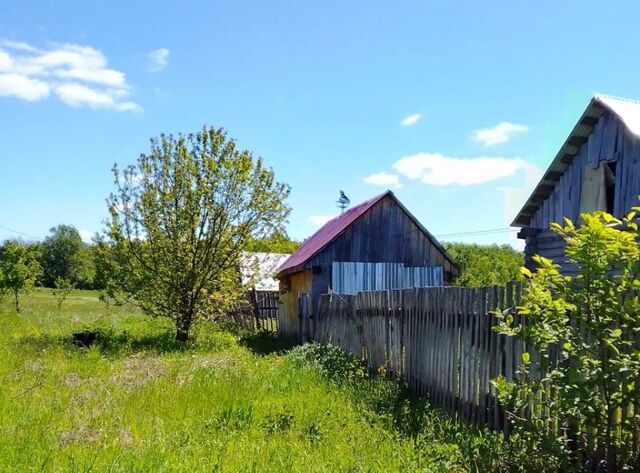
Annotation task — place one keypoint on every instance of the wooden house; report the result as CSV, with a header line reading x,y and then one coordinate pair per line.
x,y
375,245
597,168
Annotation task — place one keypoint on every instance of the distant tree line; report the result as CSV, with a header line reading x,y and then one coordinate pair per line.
x,y
485,265
61,255
63,261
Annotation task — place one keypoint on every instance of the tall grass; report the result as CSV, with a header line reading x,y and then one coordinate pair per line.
x,y
137,401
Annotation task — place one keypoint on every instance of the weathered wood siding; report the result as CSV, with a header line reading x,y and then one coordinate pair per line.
x,y
383,234
440,340
295,284
609,141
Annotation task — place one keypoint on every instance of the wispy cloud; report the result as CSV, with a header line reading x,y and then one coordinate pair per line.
x,y
23,87
158,59
319,219
438,170
500,133
77,75
411,119
86,235
516,195
383,179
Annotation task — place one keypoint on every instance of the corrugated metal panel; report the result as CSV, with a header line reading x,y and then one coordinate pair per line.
x,y
351,278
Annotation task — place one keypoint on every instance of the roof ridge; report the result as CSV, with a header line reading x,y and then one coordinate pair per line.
x,y
614,97
324,235
626,110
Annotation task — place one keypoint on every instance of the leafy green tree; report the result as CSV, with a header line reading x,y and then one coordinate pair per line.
x,y
61,255
485,265
63,289
103,262
586,330
279,242
180,220
85,270
19,270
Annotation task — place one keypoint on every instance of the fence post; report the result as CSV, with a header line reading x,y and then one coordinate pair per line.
x,y
256,309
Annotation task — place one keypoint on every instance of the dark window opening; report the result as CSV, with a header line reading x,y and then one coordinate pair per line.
x,y
610,185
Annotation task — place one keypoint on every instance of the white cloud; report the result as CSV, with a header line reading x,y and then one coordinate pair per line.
x,y
438,170
77,95
23,87
158,59
76,74
86,235
5,60
500,133
383,179
516,196
411,119
320,219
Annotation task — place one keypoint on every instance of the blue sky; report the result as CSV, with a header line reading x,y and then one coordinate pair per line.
x,y
358,96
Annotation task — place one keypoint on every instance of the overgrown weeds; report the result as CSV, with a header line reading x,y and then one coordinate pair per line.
x,y
435,434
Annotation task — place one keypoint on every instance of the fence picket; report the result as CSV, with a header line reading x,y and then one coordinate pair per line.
x,y
439,339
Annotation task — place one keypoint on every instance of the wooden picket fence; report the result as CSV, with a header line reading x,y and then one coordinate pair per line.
x,y
438,339
260,312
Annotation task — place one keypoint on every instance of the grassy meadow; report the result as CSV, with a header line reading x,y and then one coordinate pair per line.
x,y
137,401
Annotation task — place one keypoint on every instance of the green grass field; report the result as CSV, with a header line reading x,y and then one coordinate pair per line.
x,y
136,401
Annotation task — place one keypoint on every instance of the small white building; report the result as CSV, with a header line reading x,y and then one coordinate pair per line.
x,y
259,269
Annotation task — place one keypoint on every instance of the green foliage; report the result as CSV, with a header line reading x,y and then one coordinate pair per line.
x,y
332,361
19,270
140,401
276,243
485,265
180,220
443,443
585,329
104,263
63,288
60,255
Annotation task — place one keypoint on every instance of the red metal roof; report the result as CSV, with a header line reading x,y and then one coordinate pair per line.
x,y
327,233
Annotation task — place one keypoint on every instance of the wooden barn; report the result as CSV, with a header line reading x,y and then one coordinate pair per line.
x,y
597,168
375,245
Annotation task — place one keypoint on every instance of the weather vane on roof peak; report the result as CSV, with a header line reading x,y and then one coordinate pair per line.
x,y
343,202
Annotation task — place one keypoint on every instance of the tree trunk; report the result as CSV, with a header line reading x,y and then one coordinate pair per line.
x,y
183,325
17,301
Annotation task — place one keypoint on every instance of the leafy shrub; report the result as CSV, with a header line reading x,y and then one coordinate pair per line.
x,y
484,265
444,444
313,432
63,288
278,422
234,416
332,361
585,330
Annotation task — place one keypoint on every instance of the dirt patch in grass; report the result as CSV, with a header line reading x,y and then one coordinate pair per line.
x,y
80,435
125,437
72,379
139,370
216,361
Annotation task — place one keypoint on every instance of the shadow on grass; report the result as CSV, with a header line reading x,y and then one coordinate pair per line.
x,y
107,342
264,343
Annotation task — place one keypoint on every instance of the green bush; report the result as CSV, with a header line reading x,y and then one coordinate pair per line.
x,y
585,329
335,363
484,265
443,443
